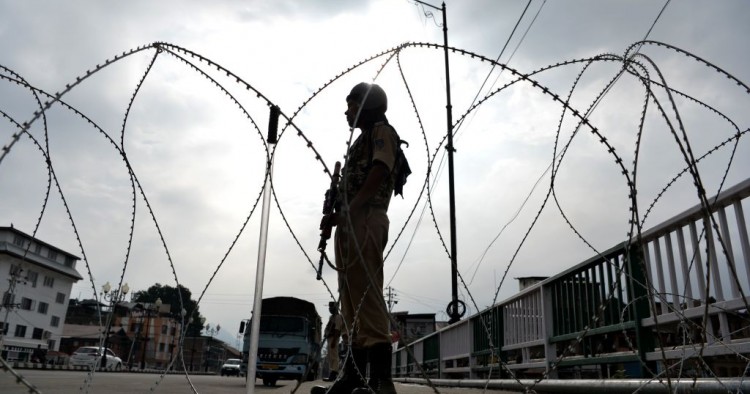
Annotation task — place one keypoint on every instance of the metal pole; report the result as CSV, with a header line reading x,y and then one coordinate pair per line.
x,y
454,314
453,307
208,351
103,361
145,340
259,273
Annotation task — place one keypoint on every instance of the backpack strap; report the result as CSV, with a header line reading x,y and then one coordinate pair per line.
x,y
399,161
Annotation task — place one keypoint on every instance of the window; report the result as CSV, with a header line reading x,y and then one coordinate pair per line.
x,y
55,321
43,306
51,254
38,249
18,240
164,329
3,328
69,261
174,330
31,277
20,331
15,269
161,347
37,334
49,281
60,299
51,344
27,304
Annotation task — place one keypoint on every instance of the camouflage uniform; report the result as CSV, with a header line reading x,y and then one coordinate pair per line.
x,y
332,333
360,300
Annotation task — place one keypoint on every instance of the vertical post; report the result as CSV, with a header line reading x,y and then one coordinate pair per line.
x,y
103,361
273,124
640,294
208,351
548,310
145,340
455,304
454,313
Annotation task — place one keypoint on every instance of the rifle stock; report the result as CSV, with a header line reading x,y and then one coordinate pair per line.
x,y
326,226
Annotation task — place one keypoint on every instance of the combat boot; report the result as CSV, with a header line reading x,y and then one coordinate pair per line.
x,y
380,381
350,379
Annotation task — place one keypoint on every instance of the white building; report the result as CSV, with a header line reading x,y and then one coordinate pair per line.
x,y
33,313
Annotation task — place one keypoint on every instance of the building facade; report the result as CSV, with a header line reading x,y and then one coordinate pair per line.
x,y
207,353
144,335
35,279
151,331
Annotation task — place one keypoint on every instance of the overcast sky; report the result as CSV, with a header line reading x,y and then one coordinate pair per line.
x,y
200,160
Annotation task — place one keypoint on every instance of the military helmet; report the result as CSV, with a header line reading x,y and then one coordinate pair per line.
x,y
373,95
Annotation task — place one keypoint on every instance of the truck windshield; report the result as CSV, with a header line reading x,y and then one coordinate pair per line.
x,y
282,325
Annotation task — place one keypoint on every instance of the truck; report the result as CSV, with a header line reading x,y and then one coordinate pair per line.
x,y
288,343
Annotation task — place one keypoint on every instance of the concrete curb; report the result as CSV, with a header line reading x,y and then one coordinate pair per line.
x,y
578,386
26,365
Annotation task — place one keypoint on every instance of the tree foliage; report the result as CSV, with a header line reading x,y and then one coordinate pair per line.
x,y
170,295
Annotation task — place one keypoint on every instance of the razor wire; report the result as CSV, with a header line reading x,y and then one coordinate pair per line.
x,y
636,221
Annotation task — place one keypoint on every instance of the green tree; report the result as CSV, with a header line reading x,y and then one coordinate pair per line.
x,y
170,295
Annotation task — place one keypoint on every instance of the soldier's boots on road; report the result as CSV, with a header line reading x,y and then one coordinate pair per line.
x,y
380,382
350,378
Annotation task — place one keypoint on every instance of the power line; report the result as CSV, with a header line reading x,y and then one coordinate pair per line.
x,y
498,59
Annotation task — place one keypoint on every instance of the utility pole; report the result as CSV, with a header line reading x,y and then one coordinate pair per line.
x,y
272,139
456,308
391,299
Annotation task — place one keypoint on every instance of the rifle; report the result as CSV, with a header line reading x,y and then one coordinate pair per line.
x,y
326,226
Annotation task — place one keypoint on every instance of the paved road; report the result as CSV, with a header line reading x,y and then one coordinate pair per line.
x,y
64,382
111,382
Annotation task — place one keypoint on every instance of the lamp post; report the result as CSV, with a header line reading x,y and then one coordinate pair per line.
x,y
211,331
114,297
192,351
456,308
154,308
174,317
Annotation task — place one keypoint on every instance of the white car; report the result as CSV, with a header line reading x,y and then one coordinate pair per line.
x,y
231,367
89,356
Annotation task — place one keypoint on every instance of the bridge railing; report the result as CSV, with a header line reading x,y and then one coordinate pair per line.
x,y
699,266
601,319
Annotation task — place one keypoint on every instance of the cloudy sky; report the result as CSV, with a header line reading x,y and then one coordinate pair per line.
x,y
195,144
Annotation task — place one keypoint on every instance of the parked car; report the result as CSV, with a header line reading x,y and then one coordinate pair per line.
x,y
88,356
231,367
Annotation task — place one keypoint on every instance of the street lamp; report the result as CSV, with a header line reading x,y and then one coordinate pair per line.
x,y
211,331
114,297
192,351
174,317
153,309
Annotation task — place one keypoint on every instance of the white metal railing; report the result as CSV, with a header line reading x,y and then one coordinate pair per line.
x,y
700,283
701,278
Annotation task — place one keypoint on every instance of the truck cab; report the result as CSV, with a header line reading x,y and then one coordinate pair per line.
x,y
288,341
